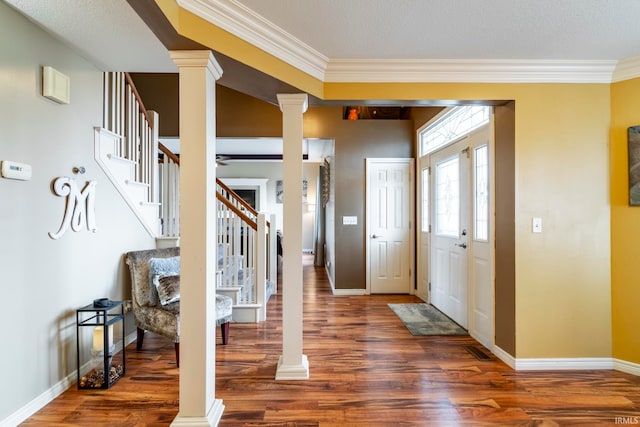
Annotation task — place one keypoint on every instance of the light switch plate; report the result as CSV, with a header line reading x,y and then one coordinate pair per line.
x,y
536,225
349,220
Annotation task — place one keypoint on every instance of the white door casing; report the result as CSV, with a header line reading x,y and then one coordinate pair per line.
x,y
389,229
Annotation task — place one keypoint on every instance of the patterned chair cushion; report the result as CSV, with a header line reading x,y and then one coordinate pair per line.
x,y
224,309
168,289
159,268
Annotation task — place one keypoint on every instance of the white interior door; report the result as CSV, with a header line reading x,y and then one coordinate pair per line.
x,y
389,229
450,230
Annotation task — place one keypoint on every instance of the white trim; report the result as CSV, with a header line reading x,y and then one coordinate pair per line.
x,y
469,71
551,364
242,22
212,418
104,141
569,363
293,372
40,402
347,292
504,356
628,367
628,68
239,20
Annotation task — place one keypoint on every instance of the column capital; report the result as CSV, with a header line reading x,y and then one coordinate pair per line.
x,y
196,59
300,99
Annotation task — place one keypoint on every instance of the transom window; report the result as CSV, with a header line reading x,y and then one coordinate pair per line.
x,y
454,123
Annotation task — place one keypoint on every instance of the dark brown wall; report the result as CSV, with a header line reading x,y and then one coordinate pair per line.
x,y
159,92
240,115
421,116
505,292
237,115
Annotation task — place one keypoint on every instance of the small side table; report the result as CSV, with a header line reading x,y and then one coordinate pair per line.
x,y
99,363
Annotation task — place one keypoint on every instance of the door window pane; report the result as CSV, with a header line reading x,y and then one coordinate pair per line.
x,y
448,197
453,124
481,193
425,200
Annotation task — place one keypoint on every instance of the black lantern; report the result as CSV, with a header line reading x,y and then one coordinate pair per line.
x,y
101,362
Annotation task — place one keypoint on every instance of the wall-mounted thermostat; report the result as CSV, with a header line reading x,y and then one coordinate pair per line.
x,y
14,170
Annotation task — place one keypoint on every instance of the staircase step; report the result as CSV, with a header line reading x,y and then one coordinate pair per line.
x,y
246,313
232,292
120,159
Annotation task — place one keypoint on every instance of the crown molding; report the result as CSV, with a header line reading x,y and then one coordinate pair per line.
x,y
241,21
254,29
628,68
470,71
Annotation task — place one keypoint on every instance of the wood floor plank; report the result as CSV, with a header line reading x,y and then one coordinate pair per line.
x,y
366,369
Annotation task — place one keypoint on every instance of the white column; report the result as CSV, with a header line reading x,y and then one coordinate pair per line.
x,y
293,365
198,74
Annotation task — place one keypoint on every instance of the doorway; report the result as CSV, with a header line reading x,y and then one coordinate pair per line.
x,y
455,223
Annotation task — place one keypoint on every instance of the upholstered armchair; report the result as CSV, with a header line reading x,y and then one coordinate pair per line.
x,y
155,296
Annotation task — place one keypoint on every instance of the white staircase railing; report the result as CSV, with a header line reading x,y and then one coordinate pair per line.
x,y
126,148
147,174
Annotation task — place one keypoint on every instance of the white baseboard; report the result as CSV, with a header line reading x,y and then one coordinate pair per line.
x,y
560,364
348,291
628,367
54,391
39,402
570,364
504,356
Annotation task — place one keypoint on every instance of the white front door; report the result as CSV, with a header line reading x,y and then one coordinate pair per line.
x,y
389,229
450,233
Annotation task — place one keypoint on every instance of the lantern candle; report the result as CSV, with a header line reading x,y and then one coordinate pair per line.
x,y
98,339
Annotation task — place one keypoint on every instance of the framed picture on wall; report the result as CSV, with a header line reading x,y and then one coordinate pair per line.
x,y
634,165
279,191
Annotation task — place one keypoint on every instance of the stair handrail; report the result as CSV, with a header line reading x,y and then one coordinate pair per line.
x,y
175,159
237,211
144,111
237,199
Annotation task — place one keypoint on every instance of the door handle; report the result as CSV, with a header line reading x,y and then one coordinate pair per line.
x,y
462,245
375,236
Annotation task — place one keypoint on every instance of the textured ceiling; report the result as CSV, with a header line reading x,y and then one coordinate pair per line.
x,y
107,32
114,37
460,29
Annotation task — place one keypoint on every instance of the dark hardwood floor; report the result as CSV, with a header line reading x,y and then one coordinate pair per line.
x,y
366,369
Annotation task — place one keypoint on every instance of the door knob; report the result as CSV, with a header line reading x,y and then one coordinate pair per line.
x,y
462,245
375,236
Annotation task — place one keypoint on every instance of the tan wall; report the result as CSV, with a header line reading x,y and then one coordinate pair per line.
x,y
625,226
561,175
